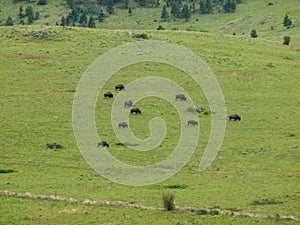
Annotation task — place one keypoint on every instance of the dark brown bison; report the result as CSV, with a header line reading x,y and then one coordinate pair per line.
x,y
123,124
181,97
108,95
235,117
54,146
136,111
192,122
120,87
128,103
103,144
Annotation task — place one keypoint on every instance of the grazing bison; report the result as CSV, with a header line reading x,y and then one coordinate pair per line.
x,y
234,117
103,144
108,95
123,124
128,103
120,87
136,111
181,97
192,122
53,145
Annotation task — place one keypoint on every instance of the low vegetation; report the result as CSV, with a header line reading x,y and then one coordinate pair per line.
x,y
254,178
168,201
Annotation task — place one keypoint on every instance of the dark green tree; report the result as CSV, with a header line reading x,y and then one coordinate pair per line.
x,y
75,14
186,12
176,10
71,3
21,15
29,14
253,33
30,19
208,6
142,3
83,20
229,6
9,21
202,6
101,16
91,23
129,10
193,6
37,16
69,20
110,7
42,2
157,3
125,4
205,6
164,13
63,21
29,11
287,21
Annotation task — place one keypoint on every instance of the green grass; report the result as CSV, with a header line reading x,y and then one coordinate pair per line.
x,y
50,212
252,14
259,156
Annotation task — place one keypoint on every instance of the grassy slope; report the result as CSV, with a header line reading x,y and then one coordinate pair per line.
x,y
259,78
258,160
252,14
45,212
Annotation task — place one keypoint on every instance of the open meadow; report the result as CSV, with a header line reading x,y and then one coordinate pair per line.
x,y
254,178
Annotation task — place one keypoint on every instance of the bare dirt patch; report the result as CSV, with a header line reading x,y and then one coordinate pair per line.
x,y
36,57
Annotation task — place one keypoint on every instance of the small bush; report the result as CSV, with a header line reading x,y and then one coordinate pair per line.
x,y
206,112
286,40
202,212
6,171
142,35
168,201
253,33
177,186
42,2
160,27
214,212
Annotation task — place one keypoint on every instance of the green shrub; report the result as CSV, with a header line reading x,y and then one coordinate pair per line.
x,y
286,40
160,27
142,36
202,212
177,186
6,171
214,212
253,33
168,201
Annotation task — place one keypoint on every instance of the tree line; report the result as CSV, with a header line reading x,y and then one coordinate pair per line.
x,y
84,13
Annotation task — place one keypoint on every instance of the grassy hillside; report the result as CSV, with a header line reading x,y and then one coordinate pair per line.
x,y
259,156
251,14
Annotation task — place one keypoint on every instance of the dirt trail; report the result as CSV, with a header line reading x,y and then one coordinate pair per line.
x,y
129,205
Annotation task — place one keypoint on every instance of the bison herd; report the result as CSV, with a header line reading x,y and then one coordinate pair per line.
x,y
129,103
